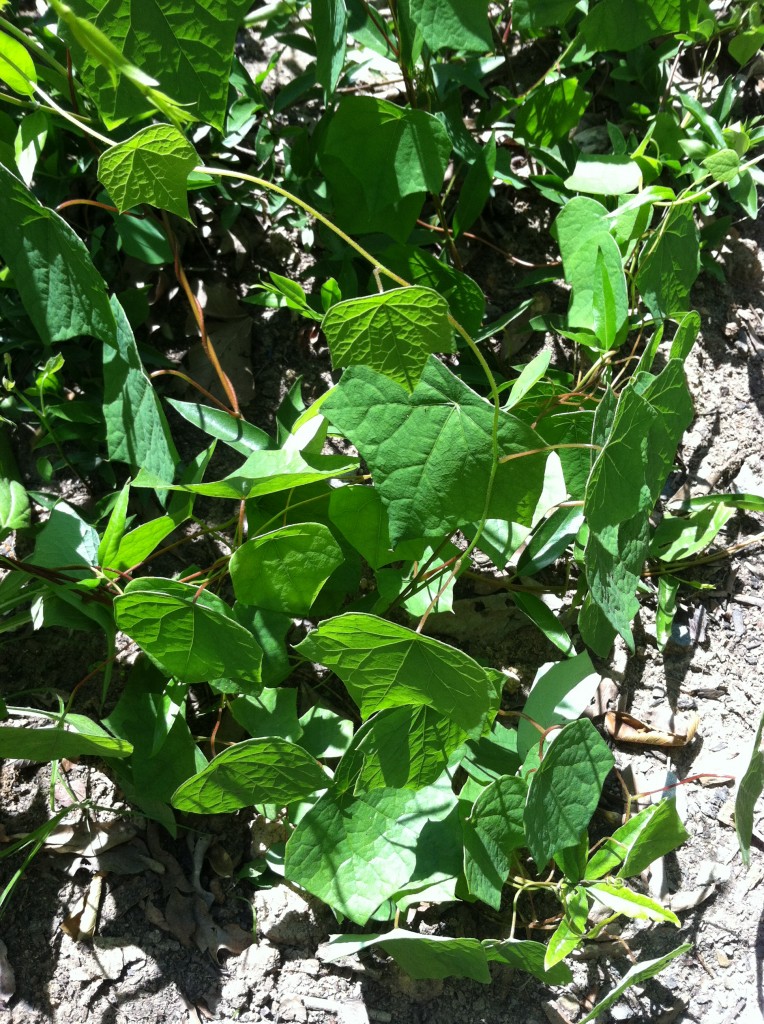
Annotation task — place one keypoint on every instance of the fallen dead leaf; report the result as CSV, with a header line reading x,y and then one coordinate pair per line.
x,y
625,728
88,838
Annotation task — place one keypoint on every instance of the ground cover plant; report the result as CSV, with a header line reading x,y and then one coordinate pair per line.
x,y
400,769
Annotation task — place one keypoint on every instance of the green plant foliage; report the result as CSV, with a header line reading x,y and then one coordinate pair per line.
x,y
651,415
393,333
749,791
671,263
189,57
636,975
152,167
330,24
603,28
257,771
50,744
63,293
281,564
15,510
17,68
190,635
354,853
430,452
264,472
136,427
494,830
385,665
284,571
405,748
643,839
551,112
371,192
451,24
565,790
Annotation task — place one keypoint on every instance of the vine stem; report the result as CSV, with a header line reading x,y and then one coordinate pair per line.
x,y
551,448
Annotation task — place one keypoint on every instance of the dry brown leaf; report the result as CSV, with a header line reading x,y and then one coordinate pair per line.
x,y
88,838
625,728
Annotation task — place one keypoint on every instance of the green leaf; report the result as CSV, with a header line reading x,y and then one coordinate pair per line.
x,y
385,665
108,549
670,263
492,832
531,374
399,748
531,17
243,437
151,167
464,296
15,510
451,24
686,335
430,452
635,976
188,634
359,515
607,324
605,175
749,791
680,537
66,539
590,255
273,712
560,693
393,333
17,68
723,165
189,56
542,616
526,955
565,790
622,900
325,734
624,484
644,838
603,28
356,852
284,571
570,930
551,111
329,25
62,292
29,143
264,472
747,44
380,161
476,188
151,715
420,956
137,432
259,771
51,744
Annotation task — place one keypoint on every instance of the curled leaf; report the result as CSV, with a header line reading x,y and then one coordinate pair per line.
x,y
625,728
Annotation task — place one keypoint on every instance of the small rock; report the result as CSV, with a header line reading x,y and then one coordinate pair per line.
x,y
621,1011
722,959
293,1009
286,918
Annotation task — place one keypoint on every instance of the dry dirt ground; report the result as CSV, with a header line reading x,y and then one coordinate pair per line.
x,y
171,943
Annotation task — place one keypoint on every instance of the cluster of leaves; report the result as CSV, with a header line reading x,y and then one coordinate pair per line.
x,y
407,782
